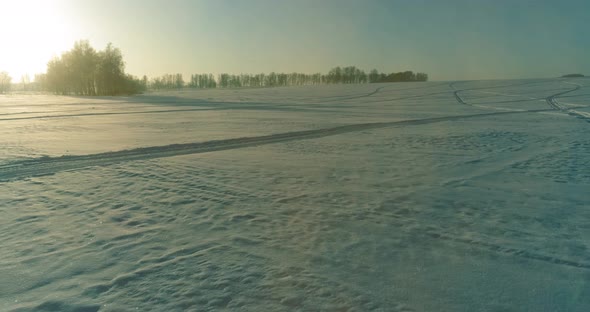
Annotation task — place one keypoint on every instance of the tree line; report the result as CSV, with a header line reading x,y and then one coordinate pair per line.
x,y
337,75
86,71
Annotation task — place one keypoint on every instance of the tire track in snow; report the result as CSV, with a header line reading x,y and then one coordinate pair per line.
x,y
510,251
204,109
50,165
553,103
568,110
462,101
550,100
62,111
340,98
106,114
328,99
383,100
346,98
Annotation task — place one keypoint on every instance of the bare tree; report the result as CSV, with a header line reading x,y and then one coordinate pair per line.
x,y
85,71
5,82
348,74
25,80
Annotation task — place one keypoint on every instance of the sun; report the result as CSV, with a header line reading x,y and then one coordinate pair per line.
x,y
33,31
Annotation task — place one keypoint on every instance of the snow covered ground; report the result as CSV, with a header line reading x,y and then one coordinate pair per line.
x,y
464,196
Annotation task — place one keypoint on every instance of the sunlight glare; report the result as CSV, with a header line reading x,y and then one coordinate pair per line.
x,y
33,31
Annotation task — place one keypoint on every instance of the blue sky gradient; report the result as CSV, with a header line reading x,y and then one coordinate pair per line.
x,y
449,40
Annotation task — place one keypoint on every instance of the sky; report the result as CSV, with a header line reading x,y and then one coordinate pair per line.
x,y
449,40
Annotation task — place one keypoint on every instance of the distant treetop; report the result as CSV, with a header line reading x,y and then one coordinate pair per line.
x,y
572,76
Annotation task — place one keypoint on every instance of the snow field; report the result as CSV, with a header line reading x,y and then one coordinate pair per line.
x,y
469,196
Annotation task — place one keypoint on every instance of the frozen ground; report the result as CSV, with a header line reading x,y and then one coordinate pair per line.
x,y
465,196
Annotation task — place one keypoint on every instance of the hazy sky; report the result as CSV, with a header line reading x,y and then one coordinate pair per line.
x,y
451,39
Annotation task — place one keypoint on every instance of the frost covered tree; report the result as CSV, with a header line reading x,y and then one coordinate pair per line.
x,y
110,71
373,76
26,81
5,82
40,82
178,81
348,75
421,77
170,81
85,71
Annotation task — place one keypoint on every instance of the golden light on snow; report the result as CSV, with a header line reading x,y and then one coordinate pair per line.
x,y
32,32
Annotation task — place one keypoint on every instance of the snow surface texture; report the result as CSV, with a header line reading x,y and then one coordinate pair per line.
x,y
464,196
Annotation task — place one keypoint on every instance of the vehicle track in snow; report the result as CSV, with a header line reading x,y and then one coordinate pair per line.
x,y
551,100
379,90
345,98
50,165
233,106
462,101
61,112
508,251
553,103
104,114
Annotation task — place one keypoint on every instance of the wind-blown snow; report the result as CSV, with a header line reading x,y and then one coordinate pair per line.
x,y
464,196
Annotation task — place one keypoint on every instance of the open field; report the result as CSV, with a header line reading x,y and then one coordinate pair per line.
x,y
438,196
